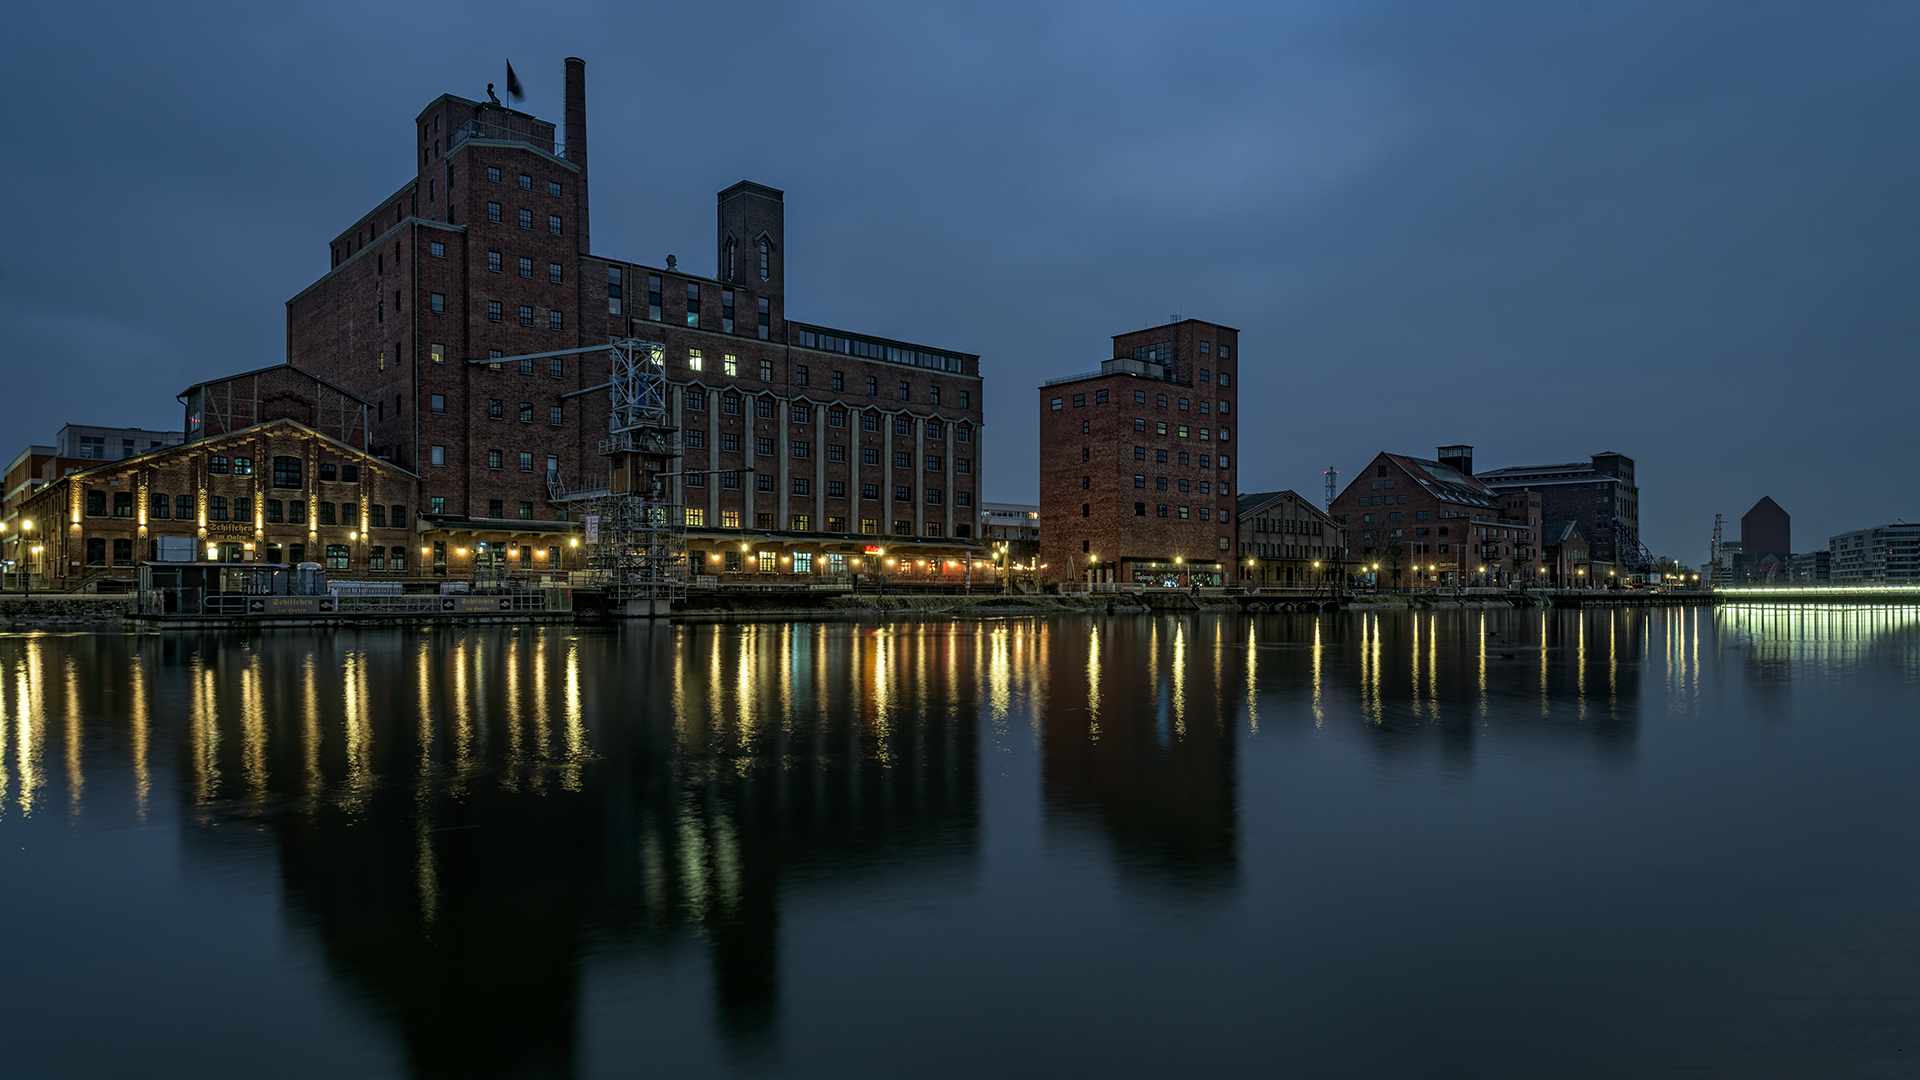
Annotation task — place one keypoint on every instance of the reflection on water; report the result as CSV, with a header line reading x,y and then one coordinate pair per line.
x,y
463,821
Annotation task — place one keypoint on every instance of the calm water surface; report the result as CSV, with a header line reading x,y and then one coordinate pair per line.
x,y
1510,844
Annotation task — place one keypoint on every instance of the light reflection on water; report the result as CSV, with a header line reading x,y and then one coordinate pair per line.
x,y
465,822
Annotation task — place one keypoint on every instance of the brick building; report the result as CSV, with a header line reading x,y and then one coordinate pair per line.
x,y
1427,522
276,492
1136,460
1599,494
800,445
1286,540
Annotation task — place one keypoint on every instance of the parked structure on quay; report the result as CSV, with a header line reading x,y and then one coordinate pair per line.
x,y
1431,523
799,447
1285,540
1137,472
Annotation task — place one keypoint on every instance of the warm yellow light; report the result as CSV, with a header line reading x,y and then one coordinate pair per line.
x,y
212,552
575,542
713,558
459,551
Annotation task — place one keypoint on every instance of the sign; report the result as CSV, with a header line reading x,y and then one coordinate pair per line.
x,y
238,530
872,550
593,528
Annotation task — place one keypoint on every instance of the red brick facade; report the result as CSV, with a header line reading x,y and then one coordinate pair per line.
x,y
794,435
1137,472
1416,522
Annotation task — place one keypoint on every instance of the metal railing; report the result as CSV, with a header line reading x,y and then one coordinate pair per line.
x,y
481,129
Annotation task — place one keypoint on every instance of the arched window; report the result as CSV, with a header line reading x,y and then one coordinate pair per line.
x,y
766,263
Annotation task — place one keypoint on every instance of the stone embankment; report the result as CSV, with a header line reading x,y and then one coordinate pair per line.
x,y
59,611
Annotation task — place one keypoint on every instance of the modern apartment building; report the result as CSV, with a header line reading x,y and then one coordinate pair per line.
x,y
795,439
1599,494
110,444
1882,555
1137,473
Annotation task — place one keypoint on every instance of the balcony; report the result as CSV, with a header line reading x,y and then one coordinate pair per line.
x,y
540,137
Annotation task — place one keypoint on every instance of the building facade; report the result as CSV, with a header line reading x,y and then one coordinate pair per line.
x,y
1565,561
1137,473
1011,533
1284,540
275,492
1882,555
799,444
1600,494
82,442
1414,521
1765,530
1810,568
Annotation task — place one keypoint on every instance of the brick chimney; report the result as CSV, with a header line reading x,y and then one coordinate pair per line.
x,y
576,136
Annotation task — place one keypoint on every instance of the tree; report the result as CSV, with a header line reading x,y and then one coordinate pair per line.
x,y
1381,544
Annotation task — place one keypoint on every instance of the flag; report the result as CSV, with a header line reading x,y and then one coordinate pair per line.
x,y
514,93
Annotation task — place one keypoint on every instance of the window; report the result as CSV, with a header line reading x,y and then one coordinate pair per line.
x,y
963,433
902,494
328,472
613,289
183,507
1079,400
763,447
526,319
935,463
1099,397
1160,510
554,321
902,425
286,472
437,249
802,449
800,375
493,310
493,174
870,491
526,219
553,224
1086,482
653,297
730,442
726,300
903,460
553,188
326,513
870,526
1160,482
839,381
96,551
1225,353
766,319
962,466
526,268
801,486
337,556
766,371
526,182
869,421
553,273
437,403
1139,453
902,528
1160,456
905,394
526,412
1225,379
493,261
869,456
836,418
873,387
693,304
1182,431
493,212
836,489
766,264
526,461
437,455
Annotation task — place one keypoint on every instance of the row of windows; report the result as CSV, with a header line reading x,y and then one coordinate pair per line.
x,y
1160,482
802,376
1281,551
764,409
526,218
616,303
496,459
497,410
1162,510
496,312
1140,398
1291,525
496,264
1160,456
768,562
835,489
526,182
272,511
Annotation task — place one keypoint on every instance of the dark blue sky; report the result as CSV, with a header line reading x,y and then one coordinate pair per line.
x,y
1682,231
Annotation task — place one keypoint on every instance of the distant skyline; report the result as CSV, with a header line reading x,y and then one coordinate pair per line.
x,y
1685,233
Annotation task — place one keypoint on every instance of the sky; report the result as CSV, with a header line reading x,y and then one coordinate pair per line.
x,y
1682,231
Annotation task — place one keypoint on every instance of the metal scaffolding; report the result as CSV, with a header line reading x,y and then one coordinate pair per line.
x,y
636,533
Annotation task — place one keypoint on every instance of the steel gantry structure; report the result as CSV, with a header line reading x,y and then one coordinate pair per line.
x,y
636,533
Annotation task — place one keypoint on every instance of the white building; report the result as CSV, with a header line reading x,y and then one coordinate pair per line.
x,y
1884,554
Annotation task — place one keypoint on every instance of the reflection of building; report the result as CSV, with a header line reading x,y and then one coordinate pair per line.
x,y
1885,553
1596,494
1284,540
805,442
462,821
1139,743
1136,460
1433,523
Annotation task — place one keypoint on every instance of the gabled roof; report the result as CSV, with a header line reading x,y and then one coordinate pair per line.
x,y
300,371
250,431
1555,533
1445,482
1253,503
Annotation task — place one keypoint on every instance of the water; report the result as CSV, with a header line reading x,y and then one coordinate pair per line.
x,y
1500,844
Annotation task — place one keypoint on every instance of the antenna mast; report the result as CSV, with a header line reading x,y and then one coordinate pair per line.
x,y
1332,475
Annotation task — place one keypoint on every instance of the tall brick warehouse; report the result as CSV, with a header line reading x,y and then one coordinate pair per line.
x,y
1136,460
804,445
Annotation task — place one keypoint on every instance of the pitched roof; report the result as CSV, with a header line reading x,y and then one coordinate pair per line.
x,y
1555,533
1260,500
300,371
1445,482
